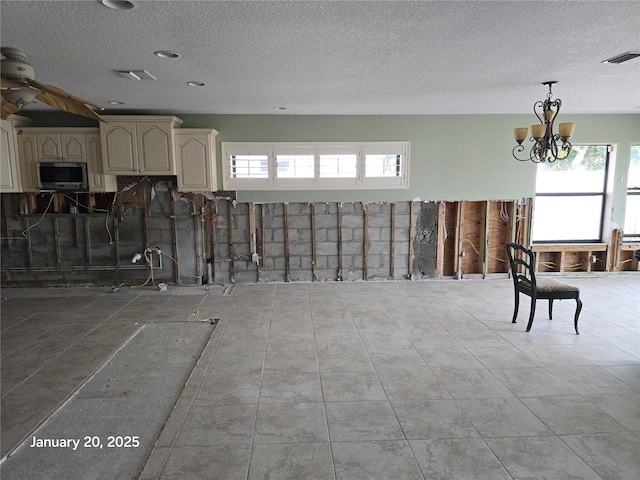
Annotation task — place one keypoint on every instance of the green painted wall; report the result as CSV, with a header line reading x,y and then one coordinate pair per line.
x,y
453,157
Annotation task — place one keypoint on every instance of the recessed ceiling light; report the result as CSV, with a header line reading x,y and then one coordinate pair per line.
x,y
195,84
166,54
115,102
118,4
279,108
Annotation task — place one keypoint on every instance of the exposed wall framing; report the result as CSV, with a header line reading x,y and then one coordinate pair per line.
x,y
91,239
472,236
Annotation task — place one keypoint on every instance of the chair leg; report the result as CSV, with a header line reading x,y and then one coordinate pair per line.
x,y
550,308
531,313
515,308
578,309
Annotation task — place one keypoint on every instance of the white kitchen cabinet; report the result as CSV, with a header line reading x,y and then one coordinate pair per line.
x,y
98,181
196,159
138,145
10,175
60,146
44,144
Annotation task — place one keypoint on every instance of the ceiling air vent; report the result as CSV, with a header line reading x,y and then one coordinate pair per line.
x,y
136,74
623,57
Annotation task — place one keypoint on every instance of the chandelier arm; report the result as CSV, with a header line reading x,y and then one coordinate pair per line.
x,y
519,149
566,148
534,155
538,104
537,151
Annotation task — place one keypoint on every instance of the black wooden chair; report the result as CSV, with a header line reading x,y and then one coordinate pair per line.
x,y
521,261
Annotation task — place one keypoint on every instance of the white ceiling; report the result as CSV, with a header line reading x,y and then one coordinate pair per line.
x,y
334,57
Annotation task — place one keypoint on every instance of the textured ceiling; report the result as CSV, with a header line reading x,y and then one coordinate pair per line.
x,y
334,57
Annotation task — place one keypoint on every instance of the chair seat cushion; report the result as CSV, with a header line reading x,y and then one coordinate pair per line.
x,y
548,285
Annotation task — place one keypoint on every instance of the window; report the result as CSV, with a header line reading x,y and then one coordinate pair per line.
x,y
249,166
382,165
295,162
338,165
570,196
297,166
632,211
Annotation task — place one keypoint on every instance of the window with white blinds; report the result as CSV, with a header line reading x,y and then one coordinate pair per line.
x,y
321,166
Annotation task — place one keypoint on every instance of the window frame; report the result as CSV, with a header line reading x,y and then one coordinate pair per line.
x,y
632,190
603,194
359,182
246,149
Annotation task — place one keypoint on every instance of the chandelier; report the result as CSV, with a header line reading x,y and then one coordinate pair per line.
x,y
547,146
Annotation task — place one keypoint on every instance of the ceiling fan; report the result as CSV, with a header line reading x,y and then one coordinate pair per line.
x,y
19,88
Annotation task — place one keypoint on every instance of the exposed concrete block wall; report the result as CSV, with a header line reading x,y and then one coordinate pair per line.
x,y
326,241
245,271
89,249
222,241
352,241
300,248
220,263
274,267
402,232
326,227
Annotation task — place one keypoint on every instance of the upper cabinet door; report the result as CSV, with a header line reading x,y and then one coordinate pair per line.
x,y
98,182
155,148
138,144
28,153
9,171
72,147
119,148
48,145
196,160
60,147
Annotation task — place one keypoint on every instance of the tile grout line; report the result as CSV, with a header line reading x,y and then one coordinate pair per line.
x,y
66,349
324,403
179,430
70,396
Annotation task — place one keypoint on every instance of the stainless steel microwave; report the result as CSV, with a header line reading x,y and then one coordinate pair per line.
x,y
63,176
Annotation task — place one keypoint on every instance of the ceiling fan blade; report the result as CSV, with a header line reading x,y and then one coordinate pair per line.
x,y
7,108
68,104
61,93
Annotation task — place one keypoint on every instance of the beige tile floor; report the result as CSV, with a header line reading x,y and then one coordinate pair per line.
x,y
402,380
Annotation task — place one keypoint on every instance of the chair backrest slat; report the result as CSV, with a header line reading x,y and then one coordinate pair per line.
x,y
521,261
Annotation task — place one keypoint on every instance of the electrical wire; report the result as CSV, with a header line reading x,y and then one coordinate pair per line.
x,y
106,225
75,200
576,266
503,212
147,259
488,254
195,314
622,263
24,232
176,263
